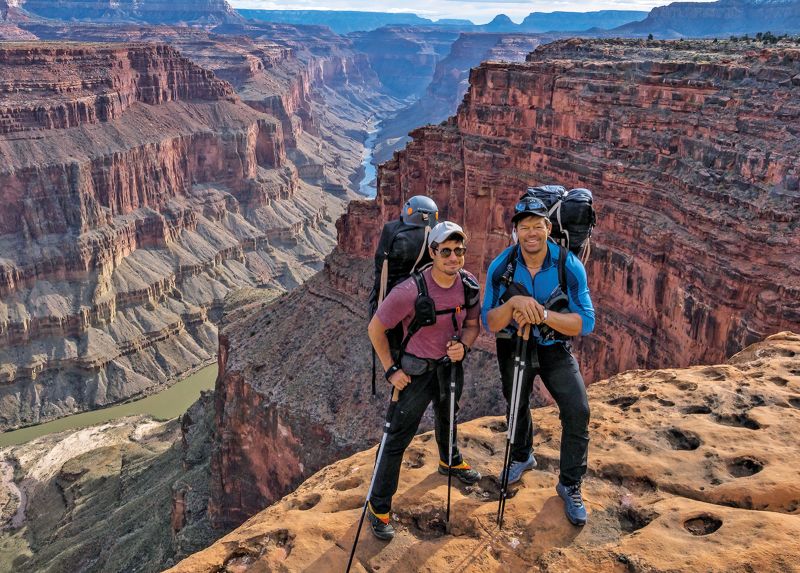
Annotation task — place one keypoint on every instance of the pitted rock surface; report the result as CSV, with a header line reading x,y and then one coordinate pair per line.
x,y
730,504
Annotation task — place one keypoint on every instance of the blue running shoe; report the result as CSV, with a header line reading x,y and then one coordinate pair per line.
x,y
573,503
516,469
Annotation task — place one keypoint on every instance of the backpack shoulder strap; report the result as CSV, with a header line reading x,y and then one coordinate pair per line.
x,y
562,268
472,290
422,249
414,326
508,268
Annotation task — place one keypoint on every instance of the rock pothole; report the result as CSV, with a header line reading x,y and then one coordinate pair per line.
x,y
738,421
308,501
702,525
498,426
304,502
425,523
347,483
635,518
686,386
778,380
624,402
714,374
794,402
488,489
745,467
696,409
414,459
682,439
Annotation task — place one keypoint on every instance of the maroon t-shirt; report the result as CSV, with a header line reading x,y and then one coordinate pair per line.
x,y
429,341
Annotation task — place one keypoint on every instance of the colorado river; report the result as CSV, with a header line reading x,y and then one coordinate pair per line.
x,y
366,186
167,404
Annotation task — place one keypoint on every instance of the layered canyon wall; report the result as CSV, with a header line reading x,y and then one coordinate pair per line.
x,y
718,19
141,189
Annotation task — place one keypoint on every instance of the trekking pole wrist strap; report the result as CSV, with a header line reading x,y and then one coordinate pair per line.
x,y
392,369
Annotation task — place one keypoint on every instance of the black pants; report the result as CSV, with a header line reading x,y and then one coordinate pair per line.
x,y
413,402
562,377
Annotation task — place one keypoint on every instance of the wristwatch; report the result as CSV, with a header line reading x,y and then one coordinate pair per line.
x,y
392,369
544,316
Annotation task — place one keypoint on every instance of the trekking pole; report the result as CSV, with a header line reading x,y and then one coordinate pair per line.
x,y
450,440
516,392
386,426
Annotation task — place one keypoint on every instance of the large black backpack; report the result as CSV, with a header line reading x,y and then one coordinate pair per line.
x,y
402,250
572,215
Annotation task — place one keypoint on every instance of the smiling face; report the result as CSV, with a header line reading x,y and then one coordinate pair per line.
x,y
532,233
451,264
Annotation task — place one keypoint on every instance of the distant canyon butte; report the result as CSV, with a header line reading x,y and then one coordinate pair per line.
x,y
145,182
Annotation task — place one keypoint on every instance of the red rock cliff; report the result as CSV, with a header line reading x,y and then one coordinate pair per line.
x,y
128,221
692,152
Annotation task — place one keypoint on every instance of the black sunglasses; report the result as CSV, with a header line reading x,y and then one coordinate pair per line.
x,y
447,251
530,204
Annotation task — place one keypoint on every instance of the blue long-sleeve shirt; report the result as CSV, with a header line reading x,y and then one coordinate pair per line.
x,y
542,285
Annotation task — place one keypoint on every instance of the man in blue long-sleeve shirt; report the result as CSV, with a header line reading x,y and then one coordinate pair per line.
x,y
533,263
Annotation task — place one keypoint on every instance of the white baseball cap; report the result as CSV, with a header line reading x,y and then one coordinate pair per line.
x,y
443,230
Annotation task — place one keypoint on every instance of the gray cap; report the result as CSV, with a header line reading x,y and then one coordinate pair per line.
x,y
443,230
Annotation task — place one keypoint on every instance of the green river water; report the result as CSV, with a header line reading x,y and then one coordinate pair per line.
x,y
165,405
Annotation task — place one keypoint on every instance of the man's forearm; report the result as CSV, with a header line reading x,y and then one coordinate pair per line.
x,y
499,317
469,334
380,342
569,324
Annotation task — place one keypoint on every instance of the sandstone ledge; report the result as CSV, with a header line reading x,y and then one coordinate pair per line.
x,y
690,469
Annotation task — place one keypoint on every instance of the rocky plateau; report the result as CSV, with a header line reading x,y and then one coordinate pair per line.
x,y
689,470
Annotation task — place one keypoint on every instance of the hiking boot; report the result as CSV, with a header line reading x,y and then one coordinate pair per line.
x,y
573,503
516,469
380,525
462,471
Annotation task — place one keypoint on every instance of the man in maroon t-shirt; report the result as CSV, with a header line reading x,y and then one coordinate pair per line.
x,y
426,362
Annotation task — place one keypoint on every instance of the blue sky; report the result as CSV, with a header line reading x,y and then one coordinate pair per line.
x,y
479,11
